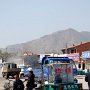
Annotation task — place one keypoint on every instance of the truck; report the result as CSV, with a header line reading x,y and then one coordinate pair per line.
x,y
24,71
10,69
60,74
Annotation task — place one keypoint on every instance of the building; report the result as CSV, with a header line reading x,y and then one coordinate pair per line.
x,y
86,58
77,48
82,47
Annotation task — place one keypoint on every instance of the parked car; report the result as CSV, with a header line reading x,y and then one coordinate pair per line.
x,y
24,70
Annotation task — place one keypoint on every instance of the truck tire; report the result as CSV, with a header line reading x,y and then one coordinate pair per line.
x,y
7,75
3,75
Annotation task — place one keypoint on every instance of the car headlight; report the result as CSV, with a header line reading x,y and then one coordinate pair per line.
x,y
22,70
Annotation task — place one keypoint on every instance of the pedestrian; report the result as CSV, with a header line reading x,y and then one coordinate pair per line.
x,y
58,79
31,82
18,84
87,79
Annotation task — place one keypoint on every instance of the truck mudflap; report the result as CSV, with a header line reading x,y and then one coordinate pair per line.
x,y
69,86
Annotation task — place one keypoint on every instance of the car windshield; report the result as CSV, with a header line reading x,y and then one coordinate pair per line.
x,y
22,66
13,65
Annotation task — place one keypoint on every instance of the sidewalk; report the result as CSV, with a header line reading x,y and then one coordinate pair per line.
x,y
81,79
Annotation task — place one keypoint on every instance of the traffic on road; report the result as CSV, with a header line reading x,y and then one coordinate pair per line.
x,y
46,77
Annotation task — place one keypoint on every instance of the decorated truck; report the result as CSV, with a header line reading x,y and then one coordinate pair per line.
x,y
58,74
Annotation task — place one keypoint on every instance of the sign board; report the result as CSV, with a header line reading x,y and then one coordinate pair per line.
x,y
71,87
86,54
73,56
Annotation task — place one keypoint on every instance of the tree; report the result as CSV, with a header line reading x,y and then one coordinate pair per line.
x,y
4,55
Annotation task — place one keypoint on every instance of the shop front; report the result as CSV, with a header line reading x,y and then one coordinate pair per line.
x,y
75,57
86,59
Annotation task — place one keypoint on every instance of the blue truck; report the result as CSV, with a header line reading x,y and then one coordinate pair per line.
x,y
60,74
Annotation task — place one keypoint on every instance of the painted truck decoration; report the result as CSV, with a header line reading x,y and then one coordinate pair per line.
x,y
60,74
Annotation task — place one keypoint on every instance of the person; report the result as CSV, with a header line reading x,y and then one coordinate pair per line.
x,y
25,83
87,79
58,79
18,84
30,83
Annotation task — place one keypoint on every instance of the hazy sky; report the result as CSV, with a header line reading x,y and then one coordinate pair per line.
x,y
25,20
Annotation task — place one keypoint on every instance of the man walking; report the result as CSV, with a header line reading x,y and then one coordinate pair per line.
x,y
18,84
30,83
87,79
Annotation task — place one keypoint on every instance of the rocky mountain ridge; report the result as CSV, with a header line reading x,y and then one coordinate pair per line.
x,y
52,43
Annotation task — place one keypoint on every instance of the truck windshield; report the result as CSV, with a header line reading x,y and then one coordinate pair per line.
x,y
13,66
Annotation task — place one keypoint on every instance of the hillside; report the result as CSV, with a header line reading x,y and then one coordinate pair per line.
x,y
52,43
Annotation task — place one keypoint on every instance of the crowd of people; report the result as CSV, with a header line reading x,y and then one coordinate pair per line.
x,y
30,84
19,85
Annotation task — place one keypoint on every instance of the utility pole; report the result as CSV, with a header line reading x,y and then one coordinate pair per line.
x,y
66,48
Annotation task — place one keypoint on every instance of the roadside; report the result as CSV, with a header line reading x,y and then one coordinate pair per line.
x,y
2,82
81,79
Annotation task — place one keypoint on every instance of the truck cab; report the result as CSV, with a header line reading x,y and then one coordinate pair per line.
x,y
9,69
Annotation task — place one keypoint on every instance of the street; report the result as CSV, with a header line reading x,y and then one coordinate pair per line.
x,y
2,82
80,80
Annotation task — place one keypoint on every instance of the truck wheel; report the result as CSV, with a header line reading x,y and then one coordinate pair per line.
x,y
3,75
22,75
7,76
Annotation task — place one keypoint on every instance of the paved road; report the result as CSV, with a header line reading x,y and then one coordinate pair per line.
x,y
2,82
80,80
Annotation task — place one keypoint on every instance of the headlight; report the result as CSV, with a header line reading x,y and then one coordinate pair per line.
x,y
22,70
46,82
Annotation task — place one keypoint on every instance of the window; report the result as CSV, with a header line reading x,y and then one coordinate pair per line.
x,y
83,66
79,65
13,66
72,51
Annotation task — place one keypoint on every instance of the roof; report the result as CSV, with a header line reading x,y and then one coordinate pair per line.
x,y
46,59
57,58
82,43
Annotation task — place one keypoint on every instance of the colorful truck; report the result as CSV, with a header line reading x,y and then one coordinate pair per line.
x,y
60,72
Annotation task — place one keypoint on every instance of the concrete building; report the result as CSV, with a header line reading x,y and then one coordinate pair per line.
x,y
86,58
82,47
77,48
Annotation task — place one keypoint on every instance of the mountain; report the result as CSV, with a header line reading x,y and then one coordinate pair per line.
x,y
52,43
